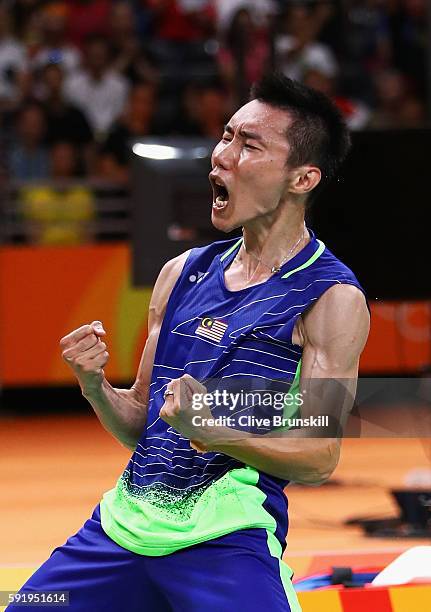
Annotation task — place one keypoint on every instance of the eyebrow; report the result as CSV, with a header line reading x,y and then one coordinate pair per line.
x,y
245,133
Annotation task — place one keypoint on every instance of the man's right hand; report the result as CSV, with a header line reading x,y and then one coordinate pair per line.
x,y
85,352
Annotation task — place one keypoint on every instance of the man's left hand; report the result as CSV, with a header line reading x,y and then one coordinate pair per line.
x,y
178,411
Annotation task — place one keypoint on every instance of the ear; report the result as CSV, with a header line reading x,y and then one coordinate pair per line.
x,y
304,179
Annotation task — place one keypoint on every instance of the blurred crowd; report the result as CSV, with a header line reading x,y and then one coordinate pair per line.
x,y
79,79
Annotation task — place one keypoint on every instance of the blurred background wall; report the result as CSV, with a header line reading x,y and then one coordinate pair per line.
x,y
80,81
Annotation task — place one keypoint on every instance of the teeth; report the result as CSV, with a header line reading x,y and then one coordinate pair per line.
x,y
222,199
219,204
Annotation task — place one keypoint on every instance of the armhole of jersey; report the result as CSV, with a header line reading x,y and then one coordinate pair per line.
x,y
313,301
172,295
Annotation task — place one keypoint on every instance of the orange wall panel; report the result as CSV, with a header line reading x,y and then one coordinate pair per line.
x,y
45,292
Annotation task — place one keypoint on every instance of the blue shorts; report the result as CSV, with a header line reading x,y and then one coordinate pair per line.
x,y
233,572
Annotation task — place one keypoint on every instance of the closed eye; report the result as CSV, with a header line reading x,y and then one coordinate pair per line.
x,y
226,139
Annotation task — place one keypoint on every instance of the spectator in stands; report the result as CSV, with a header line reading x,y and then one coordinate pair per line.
x,y
142,17
137,121
12,62
296,47
129,56
58,210
261,10
204,110
329,19
397,104
21,11
413,113
181,43
58,213
32,39
182,20
243,56
123,37
54,48
366,47
64,161
355,112
367,35
65,122
28,157
408,31
86,18
99,92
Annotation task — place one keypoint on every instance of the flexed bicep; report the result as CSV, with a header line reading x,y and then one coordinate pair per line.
x,y
334,334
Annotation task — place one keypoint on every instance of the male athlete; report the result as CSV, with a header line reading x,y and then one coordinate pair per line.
x,y
198,520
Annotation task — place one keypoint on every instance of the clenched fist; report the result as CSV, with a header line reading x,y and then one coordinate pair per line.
x,y
85,352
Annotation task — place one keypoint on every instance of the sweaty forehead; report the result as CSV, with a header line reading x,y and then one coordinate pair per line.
x,y
271,123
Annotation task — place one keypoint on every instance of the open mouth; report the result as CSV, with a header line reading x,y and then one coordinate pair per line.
x,y
221,194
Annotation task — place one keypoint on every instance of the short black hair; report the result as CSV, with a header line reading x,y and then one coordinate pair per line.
x,y
317,135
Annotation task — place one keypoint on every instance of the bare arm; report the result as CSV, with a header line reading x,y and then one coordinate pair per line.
x,y
123,412
333,334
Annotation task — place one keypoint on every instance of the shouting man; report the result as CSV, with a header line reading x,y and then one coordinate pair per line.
x,y
198,520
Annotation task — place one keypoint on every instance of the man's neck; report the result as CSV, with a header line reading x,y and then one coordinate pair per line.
x,y
270,238
269,243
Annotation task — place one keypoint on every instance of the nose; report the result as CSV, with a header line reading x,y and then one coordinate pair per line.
x,y
224,155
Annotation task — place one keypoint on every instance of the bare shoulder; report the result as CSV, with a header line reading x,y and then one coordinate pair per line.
x,y
165,282
340,300
172,269
339,322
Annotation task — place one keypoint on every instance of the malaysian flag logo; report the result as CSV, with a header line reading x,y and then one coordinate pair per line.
x,y
213,329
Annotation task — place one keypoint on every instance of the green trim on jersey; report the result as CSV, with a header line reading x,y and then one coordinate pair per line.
x,y
291,411
231,503
312,259
306,264
232,248
160,523
286,572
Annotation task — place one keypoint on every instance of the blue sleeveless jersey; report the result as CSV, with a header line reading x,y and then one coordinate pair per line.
x,y
170,496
